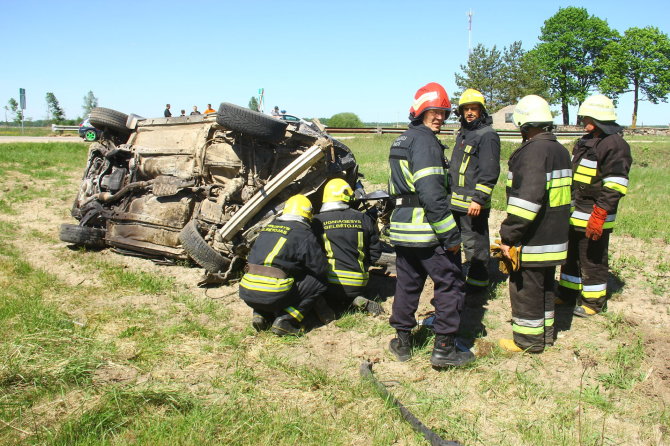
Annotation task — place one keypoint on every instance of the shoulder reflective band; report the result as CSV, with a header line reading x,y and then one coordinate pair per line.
x,y
271,256
522,208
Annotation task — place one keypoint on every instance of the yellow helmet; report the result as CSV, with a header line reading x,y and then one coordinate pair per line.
x,y
598,107
532,110
337,190
299,206
472,96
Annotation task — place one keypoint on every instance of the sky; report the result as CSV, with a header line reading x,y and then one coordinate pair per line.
x,y
313,58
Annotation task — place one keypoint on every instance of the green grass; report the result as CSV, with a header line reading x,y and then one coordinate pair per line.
x,y
28,131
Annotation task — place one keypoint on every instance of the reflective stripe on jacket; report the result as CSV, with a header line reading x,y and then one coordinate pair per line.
x,y
418,168
351,242
538,201
475,165
601,166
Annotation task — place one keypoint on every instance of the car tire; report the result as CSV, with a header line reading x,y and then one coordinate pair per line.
x,y
82,236
90,135
107,119
250,122
198,249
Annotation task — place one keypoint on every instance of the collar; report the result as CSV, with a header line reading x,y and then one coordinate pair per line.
x,y
334,206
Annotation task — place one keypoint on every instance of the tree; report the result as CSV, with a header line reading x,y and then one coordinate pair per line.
x,y
54,109
570,54
345,120
503,78
14,107
482,72
638,63
253,103
90,102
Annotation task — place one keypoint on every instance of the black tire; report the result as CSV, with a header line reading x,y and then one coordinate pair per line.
x,y
82,236
198,249
252,123
107,119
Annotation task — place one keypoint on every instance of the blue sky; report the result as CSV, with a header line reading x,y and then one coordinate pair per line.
x,y
313,58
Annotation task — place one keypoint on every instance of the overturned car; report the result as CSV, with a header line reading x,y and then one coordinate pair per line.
x,y
198,187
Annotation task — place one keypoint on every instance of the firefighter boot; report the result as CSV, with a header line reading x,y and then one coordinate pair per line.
x,y
401,345
584,311
367,305
259,322
325,314
445,353
286,325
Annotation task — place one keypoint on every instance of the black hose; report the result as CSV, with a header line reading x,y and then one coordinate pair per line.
x,y
434,439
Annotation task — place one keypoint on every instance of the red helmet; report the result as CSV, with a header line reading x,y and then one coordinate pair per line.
x,y
429,96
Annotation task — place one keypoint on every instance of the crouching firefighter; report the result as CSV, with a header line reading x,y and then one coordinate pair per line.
x,y
351,241
426,239
538,210
601,162
286,271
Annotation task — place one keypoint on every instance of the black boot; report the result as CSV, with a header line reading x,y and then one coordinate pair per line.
x,y
445,353
259,322
325,314
286,325
401,345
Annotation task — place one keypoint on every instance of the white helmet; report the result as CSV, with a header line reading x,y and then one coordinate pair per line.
x,y
598,107
532,110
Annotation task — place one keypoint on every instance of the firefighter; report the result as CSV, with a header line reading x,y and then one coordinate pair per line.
x,y
286,271
426,238
601,162
473,172
351,242
538,209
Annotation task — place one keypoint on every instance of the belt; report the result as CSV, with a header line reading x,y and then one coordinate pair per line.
x,y
267,271
407,201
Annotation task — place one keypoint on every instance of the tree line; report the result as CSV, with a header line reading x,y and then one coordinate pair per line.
x,y
55,113
577,54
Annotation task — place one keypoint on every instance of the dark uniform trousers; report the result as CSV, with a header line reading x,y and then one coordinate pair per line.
x,y
340,297
475,237
413,266
532,297
301,297
585,273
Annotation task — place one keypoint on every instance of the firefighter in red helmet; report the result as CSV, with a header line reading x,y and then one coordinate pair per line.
x,y
423,231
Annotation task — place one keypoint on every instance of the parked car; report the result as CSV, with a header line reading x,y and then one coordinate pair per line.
x,y
88,132
198,187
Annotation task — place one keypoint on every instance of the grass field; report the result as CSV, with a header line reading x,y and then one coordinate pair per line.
x,y
100,348
28,131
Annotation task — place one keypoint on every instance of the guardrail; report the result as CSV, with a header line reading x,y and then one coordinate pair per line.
x,y
64,128
444,131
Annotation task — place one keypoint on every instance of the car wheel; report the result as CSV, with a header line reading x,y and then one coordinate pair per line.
x,y
82,236
107,119
250,122
198,249
90,135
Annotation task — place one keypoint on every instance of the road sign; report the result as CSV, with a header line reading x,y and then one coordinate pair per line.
x,y
22,98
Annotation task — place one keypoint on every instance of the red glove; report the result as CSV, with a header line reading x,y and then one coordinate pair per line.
x,y
594,228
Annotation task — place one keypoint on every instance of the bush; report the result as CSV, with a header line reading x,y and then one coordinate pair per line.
x,y
345,120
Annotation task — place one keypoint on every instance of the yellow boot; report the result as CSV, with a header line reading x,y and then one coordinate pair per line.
x,y
584,311
509,345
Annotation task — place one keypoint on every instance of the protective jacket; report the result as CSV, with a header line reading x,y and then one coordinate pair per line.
x,y
538,201
601,166
289,246
351,241
475,164
419,185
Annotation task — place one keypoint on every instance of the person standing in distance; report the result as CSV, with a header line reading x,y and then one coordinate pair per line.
x,y
426,238
473,173
538,209
167,113
601,162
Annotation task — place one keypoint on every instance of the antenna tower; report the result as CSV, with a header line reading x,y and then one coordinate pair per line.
x,y
469,14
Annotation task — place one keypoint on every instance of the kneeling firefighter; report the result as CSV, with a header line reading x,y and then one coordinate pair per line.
x,y
351,241
286,271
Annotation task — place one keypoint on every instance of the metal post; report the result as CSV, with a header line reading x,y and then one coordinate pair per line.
x,y
469,32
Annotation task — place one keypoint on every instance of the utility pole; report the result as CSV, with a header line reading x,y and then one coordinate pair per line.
x,y
469,14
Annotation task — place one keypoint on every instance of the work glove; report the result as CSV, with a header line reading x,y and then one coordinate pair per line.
x,y
594,228
506,264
